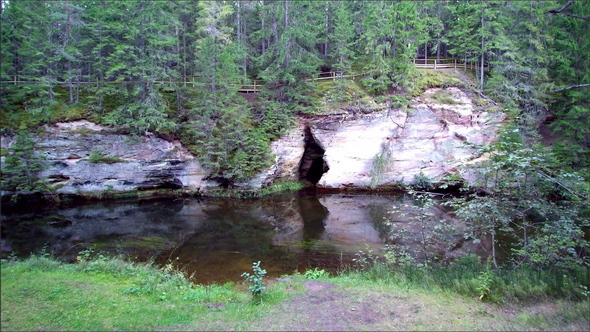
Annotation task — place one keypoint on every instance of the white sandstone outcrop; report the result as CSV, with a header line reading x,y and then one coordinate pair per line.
x,y
389,147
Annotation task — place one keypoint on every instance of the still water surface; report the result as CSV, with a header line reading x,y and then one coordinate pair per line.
x,y
212,240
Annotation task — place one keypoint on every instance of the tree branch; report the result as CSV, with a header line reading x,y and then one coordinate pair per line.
x,y
560,184
486,97
557,11
576,16
561,11
570,87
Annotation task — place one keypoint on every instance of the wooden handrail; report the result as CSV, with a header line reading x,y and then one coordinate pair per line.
x,y
256,84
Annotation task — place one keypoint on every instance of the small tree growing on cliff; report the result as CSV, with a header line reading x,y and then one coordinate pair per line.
x,y
22,166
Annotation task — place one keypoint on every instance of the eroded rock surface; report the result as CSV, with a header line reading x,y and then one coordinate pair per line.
x,y
142,163
391,147
348,150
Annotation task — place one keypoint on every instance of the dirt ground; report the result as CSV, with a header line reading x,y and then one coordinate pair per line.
x,y
325,307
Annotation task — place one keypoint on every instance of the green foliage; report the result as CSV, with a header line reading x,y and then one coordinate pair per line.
x,y
315,273
139,296
528,196
98,158
484,283
558,243
381,164
22,165
423,79
469,277
422,182
174,67
388,31
255,280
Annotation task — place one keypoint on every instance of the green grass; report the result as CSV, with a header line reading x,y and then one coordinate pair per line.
x,y
445,97
274,188
112,294
425,79
464,277
101,293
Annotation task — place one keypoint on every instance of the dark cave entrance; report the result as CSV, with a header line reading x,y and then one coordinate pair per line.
x,y
312,165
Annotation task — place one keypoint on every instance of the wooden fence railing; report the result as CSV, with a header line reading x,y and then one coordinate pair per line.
x,y
443,64
255,85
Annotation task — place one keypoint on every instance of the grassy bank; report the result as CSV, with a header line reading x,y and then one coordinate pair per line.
x,y
41,293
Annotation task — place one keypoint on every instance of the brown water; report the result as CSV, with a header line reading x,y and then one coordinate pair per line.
x,y
214,240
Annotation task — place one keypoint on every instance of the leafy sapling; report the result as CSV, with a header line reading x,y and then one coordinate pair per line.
x,y
255,280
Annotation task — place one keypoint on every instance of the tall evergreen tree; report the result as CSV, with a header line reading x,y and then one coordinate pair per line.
x,y
292,56
219,120
144,53
570,70
391,33
342,40
22,165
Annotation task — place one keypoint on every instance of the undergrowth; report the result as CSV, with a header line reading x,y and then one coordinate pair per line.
x,y
109,293
424,79
469,277
274,188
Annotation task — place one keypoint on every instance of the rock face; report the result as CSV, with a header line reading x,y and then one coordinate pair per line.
x,y
351,150
390,147
143,163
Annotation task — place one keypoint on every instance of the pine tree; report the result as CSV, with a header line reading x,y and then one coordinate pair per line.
x,y
22,165
27,44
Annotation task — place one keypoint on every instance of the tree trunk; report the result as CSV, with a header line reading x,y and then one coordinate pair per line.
x,y
494,249
482,51
288,45
438,50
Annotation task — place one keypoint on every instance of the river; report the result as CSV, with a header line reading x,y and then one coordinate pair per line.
x,y
216,240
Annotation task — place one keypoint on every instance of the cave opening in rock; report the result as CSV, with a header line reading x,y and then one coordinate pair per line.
x,y
312,165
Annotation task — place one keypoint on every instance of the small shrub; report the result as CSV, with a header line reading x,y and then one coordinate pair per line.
x,y
98,158
315,274
255,280
484,284
422,182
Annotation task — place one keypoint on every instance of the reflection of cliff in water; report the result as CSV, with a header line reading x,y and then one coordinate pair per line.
x,y
216,240
142,229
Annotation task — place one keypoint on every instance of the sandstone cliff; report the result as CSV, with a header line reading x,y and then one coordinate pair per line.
x,y
389,147
347,150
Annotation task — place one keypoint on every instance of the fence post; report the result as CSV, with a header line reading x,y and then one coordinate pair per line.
x,y
435,64
15,78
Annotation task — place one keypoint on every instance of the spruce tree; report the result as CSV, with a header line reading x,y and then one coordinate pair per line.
x,y
143,55
22,165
